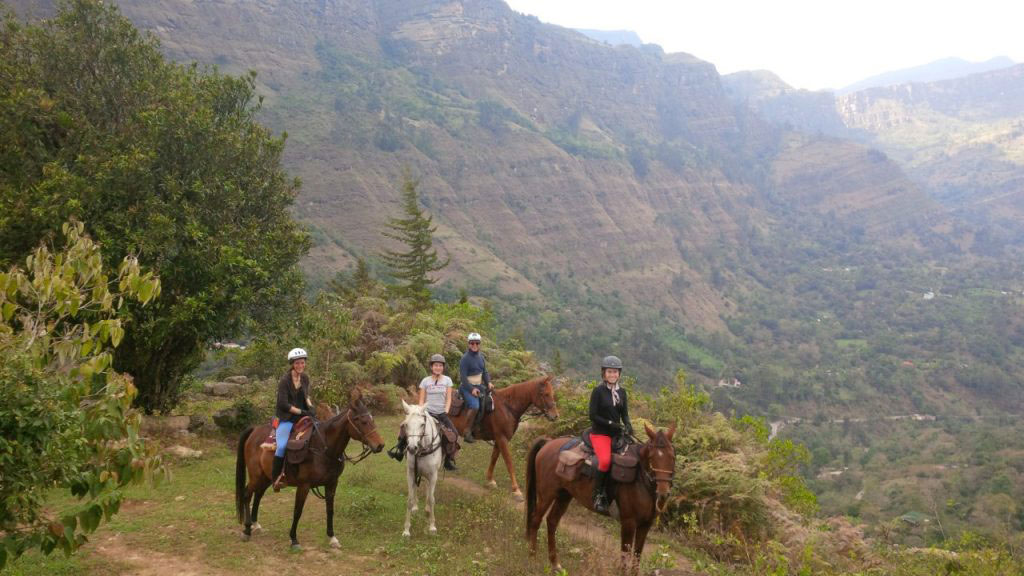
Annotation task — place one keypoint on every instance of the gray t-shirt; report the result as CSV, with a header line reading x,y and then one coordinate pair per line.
x,y
436,391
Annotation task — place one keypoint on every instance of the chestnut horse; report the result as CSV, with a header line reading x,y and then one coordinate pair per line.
x,y
322,468
510,403
639,503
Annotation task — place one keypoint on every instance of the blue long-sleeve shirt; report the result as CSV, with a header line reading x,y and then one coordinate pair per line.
x,y
472,363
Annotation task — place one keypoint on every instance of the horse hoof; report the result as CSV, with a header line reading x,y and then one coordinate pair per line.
x,y
335,543
246,537
296,547
518,496
406,534
257,528
433,529
492,484
415,509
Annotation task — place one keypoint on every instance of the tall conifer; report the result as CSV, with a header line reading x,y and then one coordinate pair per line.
x,y
413,266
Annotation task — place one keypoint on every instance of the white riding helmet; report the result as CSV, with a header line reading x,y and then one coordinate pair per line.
x,y
296,354
473,337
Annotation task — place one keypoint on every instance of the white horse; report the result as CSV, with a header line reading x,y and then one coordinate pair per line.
x,y
424,457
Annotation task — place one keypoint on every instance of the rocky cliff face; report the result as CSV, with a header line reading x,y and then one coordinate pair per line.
x,y
584,176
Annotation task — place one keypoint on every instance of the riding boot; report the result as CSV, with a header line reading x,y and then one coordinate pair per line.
x,y
449,463
471,423
600,497
398,451
277,473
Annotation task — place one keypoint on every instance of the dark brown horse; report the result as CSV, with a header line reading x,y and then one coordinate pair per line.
x,y
510,403
322,468
639,503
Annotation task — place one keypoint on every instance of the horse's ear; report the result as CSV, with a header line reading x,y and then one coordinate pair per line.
x,y
671,430
405,406
355,395
651,433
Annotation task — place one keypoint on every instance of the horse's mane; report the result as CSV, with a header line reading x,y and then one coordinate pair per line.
x,y
512,388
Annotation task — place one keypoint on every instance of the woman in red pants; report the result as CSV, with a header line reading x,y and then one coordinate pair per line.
x,y
609,417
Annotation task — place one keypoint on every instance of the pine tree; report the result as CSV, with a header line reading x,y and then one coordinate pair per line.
x,y
413,267
352,285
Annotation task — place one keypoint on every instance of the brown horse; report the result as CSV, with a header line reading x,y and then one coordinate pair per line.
x,y
510,403
639,503
322,468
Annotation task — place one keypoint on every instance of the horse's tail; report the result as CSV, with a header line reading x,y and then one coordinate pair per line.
x,y
240,474
531,478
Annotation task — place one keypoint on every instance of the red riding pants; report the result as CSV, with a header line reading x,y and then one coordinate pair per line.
x,y
603,448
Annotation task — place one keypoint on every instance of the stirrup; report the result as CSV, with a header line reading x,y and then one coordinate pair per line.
x,y
279,483
469,436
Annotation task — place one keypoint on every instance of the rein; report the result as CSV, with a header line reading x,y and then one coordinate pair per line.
x,y
651,483
316,490
417,450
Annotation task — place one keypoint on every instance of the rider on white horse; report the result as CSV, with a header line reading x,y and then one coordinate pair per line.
x,y
436,395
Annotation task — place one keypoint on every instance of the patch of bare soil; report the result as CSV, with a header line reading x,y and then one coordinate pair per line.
x,y
130,561
126,559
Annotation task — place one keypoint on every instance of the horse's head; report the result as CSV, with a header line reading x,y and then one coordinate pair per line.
x,y
360,422
544,398
419,425
659,458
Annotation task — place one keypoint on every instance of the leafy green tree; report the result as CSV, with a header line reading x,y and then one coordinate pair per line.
x,y
413,266
65,417
160,160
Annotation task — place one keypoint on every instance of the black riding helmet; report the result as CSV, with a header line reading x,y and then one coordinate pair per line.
x,y
611,362
437,358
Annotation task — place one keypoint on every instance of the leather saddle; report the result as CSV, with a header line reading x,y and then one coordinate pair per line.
x,y
576,458
297,450
459,403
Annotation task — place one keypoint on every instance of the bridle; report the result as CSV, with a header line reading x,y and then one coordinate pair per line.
x,y
367,450
542,410
653,477
417,449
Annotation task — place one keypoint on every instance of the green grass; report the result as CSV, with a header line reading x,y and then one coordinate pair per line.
x,y
189,522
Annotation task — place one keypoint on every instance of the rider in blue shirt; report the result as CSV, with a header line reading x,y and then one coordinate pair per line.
x,y
474,382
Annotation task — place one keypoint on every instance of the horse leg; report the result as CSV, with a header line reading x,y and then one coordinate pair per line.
x,y
533,522
627,534
410,504
431,484
300,501
502,443
639,539
248,515
559,507
490,468
329,491
261,489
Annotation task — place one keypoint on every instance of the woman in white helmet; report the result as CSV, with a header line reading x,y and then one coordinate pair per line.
x,y
474,382
293,402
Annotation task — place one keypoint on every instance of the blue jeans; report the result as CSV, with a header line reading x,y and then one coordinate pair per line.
x,y
472,402
284,429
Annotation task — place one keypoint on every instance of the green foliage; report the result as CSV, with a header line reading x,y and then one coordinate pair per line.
x,y
65,418
414,266
159,160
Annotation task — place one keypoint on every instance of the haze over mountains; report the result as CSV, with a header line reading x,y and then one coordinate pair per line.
x,y
944,69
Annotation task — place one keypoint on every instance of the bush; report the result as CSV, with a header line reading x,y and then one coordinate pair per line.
x,y
65,418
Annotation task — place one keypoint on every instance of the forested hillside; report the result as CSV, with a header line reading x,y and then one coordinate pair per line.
x,y
801,258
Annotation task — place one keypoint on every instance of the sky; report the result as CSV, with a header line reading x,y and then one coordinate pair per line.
x,y
812,44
